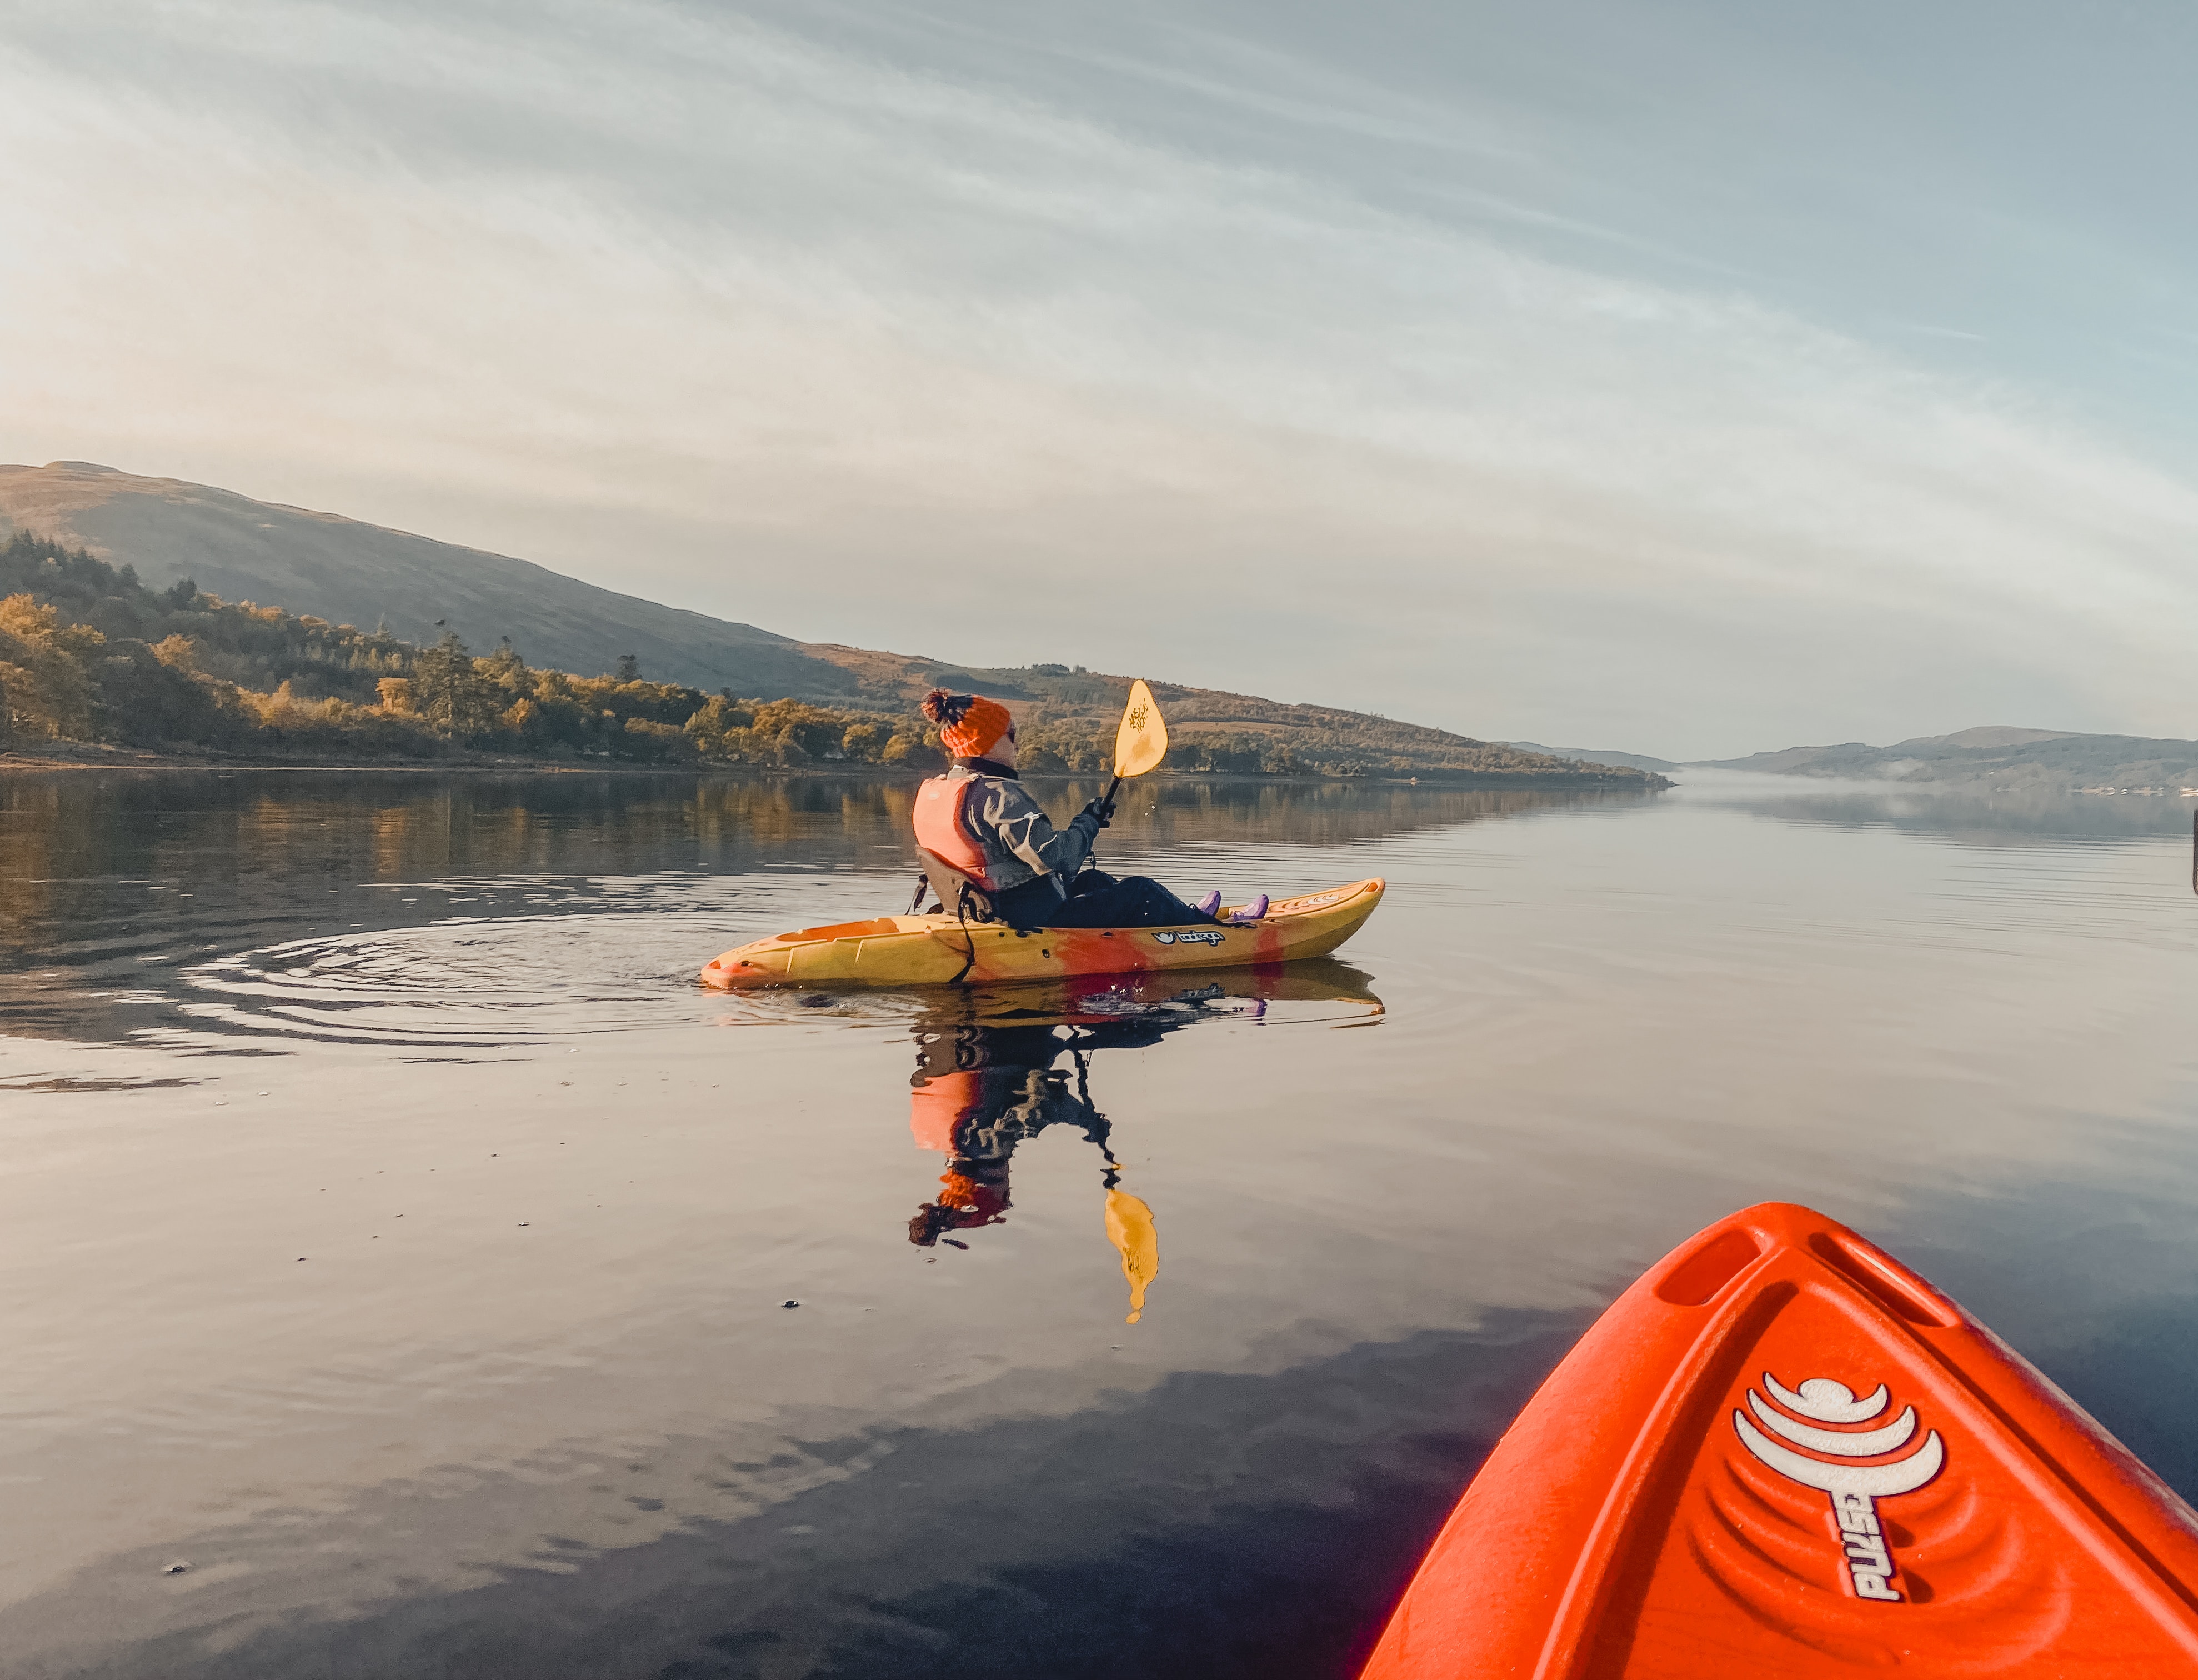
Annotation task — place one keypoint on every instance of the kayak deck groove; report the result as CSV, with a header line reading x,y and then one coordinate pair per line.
x,y
1782,1452
935,949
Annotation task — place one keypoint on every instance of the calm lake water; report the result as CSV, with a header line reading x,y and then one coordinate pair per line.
x,y
399,1237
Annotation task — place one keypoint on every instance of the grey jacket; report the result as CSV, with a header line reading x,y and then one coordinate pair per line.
x,y
1018,839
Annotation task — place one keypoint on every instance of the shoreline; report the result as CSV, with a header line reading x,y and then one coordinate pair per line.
x,y
93,758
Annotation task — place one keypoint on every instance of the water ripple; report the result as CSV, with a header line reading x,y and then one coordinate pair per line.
x,y
462,982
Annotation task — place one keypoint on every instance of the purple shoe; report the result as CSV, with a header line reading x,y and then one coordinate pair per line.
x,y
1211,902
1244,915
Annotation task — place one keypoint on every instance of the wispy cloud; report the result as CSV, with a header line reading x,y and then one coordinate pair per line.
x,y
802,324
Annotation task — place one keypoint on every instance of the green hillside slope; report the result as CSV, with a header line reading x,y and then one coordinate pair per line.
x,y
93,649
348,571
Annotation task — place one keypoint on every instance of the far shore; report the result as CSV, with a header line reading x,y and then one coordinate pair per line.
x,y
73,756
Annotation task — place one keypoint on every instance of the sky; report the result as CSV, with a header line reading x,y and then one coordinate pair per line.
x,y
1685,378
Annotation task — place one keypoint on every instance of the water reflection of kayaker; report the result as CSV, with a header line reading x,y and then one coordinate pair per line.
x,y
978,1091
991,854
987,1078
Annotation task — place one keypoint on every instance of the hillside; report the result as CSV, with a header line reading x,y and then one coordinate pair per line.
x,y
1066,719
145,561
350,572
1590,755
90,655
1996,756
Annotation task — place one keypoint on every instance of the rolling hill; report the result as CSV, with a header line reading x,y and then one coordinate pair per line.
x,y
348,571
1997,756
1212,730
1590,755
322,566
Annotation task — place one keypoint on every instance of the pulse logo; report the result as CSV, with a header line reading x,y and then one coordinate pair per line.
x,y
1854,1489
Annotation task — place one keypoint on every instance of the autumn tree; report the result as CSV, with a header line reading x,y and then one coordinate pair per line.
x,y
42,667
507,671
449,693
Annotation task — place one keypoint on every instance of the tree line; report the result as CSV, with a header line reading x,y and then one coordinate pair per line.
x,y
89,653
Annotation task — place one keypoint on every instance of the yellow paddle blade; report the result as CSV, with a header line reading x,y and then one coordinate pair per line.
x,y
1129,1228
1142,741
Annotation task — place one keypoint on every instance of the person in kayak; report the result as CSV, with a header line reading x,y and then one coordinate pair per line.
x,y
991,854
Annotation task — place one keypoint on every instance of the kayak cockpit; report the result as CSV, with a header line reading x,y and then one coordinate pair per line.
x,y
876,927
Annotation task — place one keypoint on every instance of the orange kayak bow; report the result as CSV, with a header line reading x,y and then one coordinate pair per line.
x,y
1782,1453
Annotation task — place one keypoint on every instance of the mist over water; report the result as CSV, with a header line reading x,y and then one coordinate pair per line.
x,y
401,1238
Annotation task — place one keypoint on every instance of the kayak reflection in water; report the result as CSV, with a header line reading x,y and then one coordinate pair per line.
x,y
991,853
978,1091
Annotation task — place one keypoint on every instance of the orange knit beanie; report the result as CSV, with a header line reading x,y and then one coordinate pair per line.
x,y
968,724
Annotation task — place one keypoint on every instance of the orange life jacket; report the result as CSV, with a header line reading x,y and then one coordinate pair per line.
x,y
940,831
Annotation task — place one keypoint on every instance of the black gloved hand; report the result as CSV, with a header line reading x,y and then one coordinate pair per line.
x,y
1103,810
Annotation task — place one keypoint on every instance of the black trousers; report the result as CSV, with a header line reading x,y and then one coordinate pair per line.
x,y
1097,899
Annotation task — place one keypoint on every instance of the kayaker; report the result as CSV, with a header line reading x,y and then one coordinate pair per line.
x,y
992,854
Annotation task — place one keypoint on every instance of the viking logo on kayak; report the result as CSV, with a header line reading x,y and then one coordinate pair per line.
x,y
1189,936
1855,1488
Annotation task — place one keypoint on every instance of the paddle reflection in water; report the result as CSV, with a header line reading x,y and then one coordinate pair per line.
x,y
990,1077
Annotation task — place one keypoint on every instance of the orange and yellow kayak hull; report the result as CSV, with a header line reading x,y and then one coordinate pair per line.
x,y
936,950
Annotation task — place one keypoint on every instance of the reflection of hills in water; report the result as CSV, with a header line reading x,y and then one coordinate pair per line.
x,y
990,1076
1968,819
382,826
296,897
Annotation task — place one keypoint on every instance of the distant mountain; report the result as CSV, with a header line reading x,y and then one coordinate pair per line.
x,y
1997,756
1584,756
351,573
1211,730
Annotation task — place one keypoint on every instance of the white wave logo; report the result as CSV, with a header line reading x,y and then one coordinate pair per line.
x,y
1854,1488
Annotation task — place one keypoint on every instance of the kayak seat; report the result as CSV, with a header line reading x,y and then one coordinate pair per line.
x,y
958,896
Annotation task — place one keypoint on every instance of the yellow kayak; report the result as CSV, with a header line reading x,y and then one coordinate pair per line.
x,y
937,949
